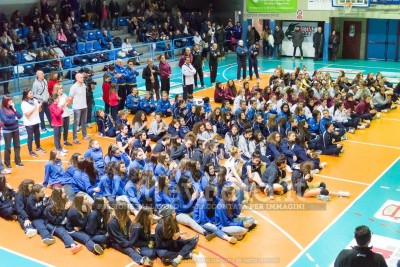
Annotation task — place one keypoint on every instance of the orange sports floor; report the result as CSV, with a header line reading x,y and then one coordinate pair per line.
x,y
279,236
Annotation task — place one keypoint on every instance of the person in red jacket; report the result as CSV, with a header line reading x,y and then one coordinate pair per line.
x,y
228,94
56,112
106,92
165,74
182,60
219,93
113,101
53,80
365,111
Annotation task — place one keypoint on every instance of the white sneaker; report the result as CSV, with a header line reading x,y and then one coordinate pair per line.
x,y
367,121
288,169
48,241
315,171
31,232
198,86
361,126
351,130
378,115
384,111
344,137
397,102
323,164
343,194
6,171
393,107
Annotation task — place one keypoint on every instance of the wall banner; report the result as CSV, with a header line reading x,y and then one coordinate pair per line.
x,y
308,29
271,6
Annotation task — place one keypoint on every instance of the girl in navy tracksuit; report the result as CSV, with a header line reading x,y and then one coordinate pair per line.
x,y
118,230
24,190
326,145
286,147
105,124
147,103
164,105
7,206
173,128
204,213
96,153
170,247
77,216
141,236
56,216
35,206
227,215
96,225
133,101
54,174
274,142
183,129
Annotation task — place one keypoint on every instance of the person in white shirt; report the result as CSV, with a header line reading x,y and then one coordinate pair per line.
x,y
128,50
188,72
59,89
40,92
30,110
77,94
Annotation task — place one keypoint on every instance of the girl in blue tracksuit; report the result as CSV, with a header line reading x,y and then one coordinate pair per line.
x,y
119,233
133,101
138,161
326,145
204,213
163,165
132,189
162,195
77,219
96,224
7,206
114,154
119,179
85,180
147,103
69,174
78,183
56,216
54,174
106,182
227,215
173,128
274,141
96,153
35,206
147,188
314,123
164,105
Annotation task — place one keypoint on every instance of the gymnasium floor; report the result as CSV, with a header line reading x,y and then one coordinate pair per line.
x,y
291,230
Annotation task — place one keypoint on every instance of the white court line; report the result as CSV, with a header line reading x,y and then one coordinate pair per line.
x,y
26,257
38,160
341,179
310,258
279,228
341,214
372,144
389,119
385,187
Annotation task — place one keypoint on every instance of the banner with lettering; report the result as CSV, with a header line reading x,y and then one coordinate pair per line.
x,y
271,6
308,29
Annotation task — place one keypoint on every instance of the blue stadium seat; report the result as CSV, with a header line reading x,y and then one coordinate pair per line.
x,y
87,26
80,48
18,57
67,63
91,25
20,32
23,54
91,36
89,47
25,32
86,36
98,34
97,46
123,21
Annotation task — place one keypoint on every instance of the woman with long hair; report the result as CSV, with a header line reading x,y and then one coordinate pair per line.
x,y
56,121
96,153
77,216
9,117
141,236
56,216
170,247
139,122
7,194
118,230
132,190
96,225
274,141
54,174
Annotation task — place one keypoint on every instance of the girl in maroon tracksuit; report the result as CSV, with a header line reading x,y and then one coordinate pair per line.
x,y
165,74
364,110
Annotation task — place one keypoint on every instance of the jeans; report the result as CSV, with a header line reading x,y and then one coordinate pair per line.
x,y
214,229
79,115
65,128
183,248
57,137
278,50
301,51
136,257
14,136
188,221
237,231
84,238
122,96
45,110
33,130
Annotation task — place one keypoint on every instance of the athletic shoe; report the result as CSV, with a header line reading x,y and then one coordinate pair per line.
x,y
64,150
198,86
232,240
76,141
378,115
367,121
49,241
67,143
62,154
351,130
44,130
343,194
8,166
19,164
6,171
384,111
393,107
31,232
87,138
323,198
40,150
315,171
266,190
146,261
344,137
254,225
32,154
302,58
76,249
99,250
361,126
89,125
323,164
209,235
397,102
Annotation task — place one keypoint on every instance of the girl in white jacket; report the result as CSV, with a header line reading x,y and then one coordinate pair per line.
x,y
341,115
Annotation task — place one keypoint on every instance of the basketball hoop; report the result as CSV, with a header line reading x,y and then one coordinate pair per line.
x,y
347,7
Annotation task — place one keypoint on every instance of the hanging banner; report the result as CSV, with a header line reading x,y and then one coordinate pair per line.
x,y
308,29
271,6
320,5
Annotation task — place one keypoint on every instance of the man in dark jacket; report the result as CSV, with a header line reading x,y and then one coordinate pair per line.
x,y
150,74
278,39
220,36
297,39
113,7
250,36
318,40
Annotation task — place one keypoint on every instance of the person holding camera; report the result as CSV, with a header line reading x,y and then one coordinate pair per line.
x,y
41,93
254,51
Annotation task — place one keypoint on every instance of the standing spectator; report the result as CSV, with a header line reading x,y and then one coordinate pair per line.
x,y
77,95
150,74
56,114
188,72
238,29
220,36
241,52
198,65
165,74
131,75
318,40
64,103
278,39
106,92
114,13
41,93
103,14
121,80
254,51
297,39
250,36
90,86
9,117
30,109
5,73
362,254
333,45
91,10
213,63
